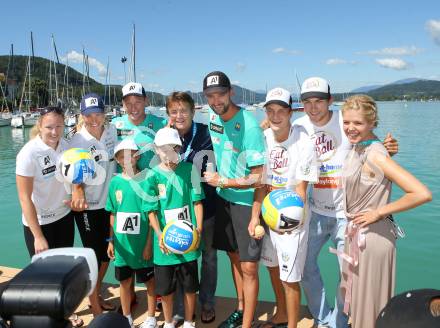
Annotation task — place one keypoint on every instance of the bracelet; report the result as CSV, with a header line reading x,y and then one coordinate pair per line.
x,y
109,239
221,182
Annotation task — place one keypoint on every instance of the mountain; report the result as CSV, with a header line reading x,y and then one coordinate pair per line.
x,y
241,95
419,89
369,88
366,88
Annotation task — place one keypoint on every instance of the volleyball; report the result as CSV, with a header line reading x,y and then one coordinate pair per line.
x,y
77,166
180,236
283,210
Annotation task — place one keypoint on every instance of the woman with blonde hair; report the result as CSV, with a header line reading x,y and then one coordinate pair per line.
x,y
94,221
47,220
368,273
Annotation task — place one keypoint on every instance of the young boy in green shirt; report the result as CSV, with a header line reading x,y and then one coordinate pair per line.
x,y
173,190
130,242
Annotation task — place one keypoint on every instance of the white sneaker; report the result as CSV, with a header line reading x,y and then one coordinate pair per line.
x,y
150,322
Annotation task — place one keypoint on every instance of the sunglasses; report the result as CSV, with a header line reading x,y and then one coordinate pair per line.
x,y
47,110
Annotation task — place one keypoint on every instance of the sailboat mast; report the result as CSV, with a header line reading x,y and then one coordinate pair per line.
x,y
134,53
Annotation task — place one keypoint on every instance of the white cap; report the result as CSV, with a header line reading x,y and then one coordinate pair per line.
x,y
278,96
315,87
127,143
133,88
167,136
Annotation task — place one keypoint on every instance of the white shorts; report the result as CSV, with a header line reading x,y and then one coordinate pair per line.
x,y
288,251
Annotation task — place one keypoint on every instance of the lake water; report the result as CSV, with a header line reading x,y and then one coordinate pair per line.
x,y
414,124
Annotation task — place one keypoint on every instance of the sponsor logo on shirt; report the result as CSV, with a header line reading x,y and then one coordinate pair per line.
x,y
215,140
327,169
150,125
237,126
325,145
285,256
216,128
278,159
119,124
118,195
47,164
124,133
328,183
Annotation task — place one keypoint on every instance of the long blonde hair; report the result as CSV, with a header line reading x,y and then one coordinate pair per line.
x,y
35,130
364,103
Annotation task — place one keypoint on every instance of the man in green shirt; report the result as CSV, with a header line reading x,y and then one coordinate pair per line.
x,y
238,144
137,124
174,192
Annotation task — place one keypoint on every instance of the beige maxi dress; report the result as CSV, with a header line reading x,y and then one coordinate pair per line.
x,y
371,275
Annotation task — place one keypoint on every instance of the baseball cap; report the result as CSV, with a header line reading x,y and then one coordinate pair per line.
x,y
127,143
167,136
133,88
216,81
91,103
278,96
315,87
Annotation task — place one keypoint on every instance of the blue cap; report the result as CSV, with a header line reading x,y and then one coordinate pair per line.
x,y
91,103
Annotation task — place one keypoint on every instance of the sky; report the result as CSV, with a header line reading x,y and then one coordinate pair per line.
x,y
258,44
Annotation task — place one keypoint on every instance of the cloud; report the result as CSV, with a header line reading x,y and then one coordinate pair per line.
x,y
393,63
236,82
339,61
397,51
285,51
76,57
433,27
240,67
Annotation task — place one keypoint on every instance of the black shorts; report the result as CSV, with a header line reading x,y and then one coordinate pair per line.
x,y
231,231
94,229
60,233
142,274
167,276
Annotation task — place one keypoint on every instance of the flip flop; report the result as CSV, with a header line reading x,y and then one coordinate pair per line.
x,y
76,321
207,315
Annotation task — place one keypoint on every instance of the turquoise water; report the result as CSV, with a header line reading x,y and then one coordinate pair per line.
x,y
418,265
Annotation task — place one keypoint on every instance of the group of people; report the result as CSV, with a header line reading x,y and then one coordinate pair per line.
x,y
216,176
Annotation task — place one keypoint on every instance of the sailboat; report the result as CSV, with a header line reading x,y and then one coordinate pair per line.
x,y
6,116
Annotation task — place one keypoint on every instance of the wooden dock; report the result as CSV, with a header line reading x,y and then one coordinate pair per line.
x,y
224,306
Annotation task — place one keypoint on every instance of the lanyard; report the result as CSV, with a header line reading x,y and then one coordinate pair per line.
x,y
188,148
366,143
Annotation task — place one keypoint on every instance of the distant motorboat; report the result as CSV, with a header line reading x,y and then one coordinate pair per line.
x,y
338,103
5,119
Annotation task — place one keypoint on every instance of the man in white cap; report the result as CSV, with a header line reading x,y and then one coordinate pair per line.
x,y
326,201
136,123
290,164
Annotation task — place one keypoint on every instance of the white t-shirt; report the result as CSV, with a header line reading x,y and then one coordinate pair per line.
x,y
102,150
290,161
38,160
331,146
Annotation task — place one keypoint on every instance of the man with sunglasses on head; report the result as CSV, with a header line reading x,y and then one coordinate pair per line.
x,y
290,164
239,152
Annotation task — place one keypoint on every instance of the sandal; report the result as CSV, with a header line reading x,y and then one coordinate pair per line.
x,y
76,321
106,305
207,315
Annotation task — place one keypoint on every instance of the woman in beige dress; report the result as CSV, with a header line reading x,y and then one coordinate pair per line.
x,y
369,267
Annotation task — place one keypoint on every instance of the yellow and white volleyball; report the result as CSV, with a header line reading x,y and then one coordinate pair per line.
x,y
180,236
77,166
283,210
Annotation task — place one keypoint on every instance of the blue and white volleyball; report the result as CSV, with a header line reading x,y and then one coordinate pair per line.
x,y
283,210
180,236
77,166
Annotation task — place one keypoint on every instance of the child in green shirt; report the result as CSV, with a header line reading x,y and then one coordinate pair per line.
x,y
174,190
130,242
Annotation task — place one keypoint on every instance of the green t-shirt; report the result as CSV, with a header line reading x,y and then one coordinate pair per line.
x,y
142,134
238,146
131,226
171,193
